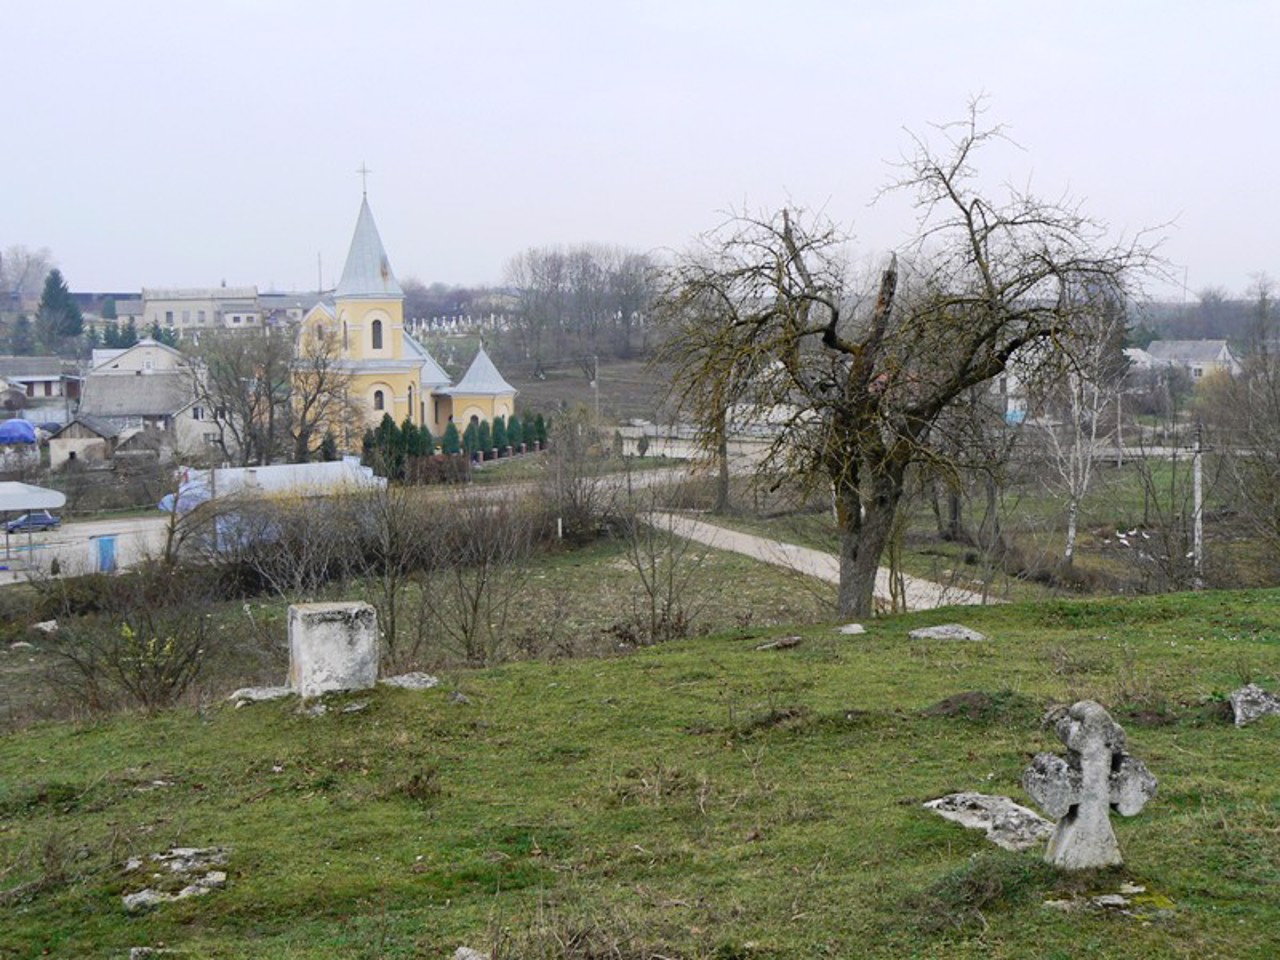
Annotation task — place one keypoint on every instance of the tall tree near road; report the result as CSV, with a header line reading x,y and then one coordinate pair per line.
x,y
772,325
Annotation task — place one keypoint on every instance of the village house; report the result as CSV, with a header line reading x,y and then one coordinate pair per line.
x,y
149,386
1200,358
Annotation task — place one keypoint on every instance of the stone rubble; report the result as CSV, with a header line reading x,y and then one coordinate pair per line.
x,y
1006,824
246,695
192,866
1251,703
411,681
946,631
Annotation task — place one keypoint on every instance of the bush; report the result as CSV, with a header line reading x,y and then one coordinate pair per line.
x,y
145,643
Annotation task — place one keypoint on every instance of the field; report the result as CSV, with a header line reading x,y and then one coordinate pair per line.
x,y
698,799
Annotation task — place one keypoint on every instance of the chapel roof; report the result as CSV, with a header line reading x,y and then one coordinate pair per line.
x,y
368,271
482,377
433,374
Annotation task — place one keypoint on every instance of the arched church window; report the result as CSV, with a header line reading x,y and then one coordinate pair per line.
x,y
379,401
410,401
377,334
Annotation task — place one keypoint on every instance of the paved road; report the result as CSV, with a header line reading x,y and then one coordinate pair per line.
x,y
920,594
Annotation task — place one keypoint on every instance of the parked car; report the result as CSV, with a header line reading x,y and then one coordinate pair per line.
x,y
40,520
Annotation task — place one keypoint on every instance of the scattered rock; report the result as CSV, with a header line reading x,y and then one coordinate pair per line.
x,y
1131,900
143,899
190,866
466,953
21,645
946,631
315,710
246,695
782,643
459,697
1251,702
852,629
356,707
411,681
1005,823
46,626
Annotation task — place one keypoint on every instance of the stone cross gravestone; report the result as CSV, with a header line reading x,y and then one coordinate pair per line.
x,y
332,646
1082,789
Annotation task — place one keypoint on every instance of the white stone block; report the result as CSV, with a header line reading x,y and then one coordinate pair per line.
x,y
332,646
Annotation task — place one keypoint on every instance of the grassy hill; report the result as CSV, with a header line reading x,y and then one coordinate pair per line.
x,y
701,799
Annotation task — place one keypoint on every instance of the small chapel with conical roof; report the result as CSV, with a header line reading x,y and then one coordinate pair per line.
x,y
386,370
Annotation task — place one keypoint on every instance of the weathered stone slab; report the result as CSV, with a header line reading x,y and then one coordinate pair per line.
x,y
1251,703
332,646
411,681
946,631
852,629
1082,789
259,694
1006,824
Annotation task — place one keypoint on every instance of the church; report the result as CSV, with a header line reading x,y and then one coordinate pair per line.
x,y
387,371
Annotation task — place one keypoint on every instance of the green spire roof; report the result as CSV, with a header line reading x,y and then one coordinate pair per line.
x,y
368,271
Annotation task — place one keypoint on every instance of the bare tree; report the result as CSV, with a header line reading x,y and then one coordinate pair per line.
x,y
669,567
478,566
860,382
320,393
1076,403
243,380
22,273
1245,414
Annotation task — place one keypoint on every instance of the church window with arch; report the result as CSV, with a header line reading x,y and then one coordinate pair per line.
x,y
376,333
379,400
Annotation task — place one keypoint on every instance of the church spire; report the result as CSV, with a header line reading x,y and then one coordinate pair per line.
x,y
368,271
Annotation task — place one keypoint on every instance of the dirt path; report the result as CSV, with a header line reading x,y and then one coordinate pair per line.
x,y
920,594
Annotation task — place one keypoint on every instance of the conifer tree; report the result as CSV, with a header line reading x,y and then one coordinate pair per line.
x,y
329,447
452,443
515,435
58,315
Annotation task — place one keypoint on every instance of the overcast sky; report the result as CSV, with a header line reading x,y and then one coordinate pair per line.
x,y
185,143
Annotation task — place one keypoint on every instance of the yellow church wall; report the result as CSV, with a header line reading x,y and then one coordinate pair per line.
x,y
358,318
465,406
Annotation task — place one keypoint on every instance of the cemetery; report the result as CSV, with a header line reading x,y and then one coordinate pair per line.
x,y
730,795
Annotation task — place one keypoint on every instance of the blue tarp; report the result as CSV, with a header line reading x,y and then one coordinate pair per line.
x,y
190,495
17,431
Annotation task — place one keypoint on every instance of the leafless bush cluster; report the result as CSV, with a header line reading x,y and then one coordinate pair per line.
x,y
144,645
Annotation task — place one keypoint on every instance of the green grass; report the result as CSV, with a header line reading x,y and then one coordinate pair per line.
x,y
701,799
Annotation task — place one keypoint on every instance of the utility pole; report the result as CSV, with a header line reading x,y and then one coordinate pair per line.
x,y
1197,514
595,384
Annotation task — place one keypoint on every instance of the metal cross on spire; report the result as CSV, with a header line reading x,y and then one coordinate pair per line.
x,y
364,179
